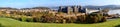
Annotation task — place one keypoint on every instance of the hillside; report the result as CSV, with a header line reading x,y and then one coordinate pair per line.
x,y
7,22
103,7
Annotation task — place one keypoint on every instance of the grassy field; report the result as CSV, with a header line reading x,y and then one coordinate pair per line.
x,y
7,22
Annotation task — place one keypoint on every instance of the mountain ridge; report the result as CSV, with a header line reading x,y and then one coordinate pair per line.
x,y
96,7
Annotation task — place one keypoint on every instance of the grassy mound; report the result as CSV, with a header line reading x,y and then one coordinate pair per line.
x,y
7,22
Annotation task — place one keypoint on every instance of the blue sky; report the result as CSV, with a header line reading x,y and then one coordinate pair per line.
x,y
47,3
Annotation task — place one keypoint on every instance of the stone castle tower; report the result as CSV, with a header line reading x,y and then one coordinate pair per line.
x,y
70,9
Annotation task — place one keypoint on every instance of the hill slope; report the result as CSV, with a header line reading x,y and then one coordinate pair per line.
x,y
7,22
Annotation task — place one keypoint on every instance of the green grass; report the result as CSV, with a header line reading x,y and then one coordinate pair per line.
x,y
7,22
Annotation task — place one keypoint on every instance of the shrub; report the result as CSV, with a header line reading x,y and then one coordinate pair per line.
x,y
95,18
64,21
73,19
24,18
49,18
1,25
58,19
103,19
36,19
29,19
81,18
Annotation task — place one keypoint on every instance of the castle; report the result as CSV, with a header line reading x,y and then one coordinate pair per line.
x,y
72,9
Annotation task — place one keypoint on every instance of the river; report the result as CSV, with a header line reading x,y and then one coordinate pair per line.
x,y
117,11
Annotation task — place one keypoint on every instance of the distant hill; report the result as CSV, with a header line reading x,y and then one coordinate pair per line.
x,y
37,8
103,7
25,8
8,8
96,7
54,8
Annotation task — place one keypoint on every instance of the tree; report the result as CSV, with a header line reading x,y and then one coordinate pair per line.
x,y
73,19
64,21
23,18
81,18
49,18
95,17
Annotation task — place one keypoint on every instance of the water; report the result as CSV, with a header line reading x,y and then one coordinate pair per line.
x,y
117,11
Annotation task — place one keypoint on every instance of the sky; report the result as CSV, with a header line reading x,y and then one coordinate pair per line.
x,y
49,3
